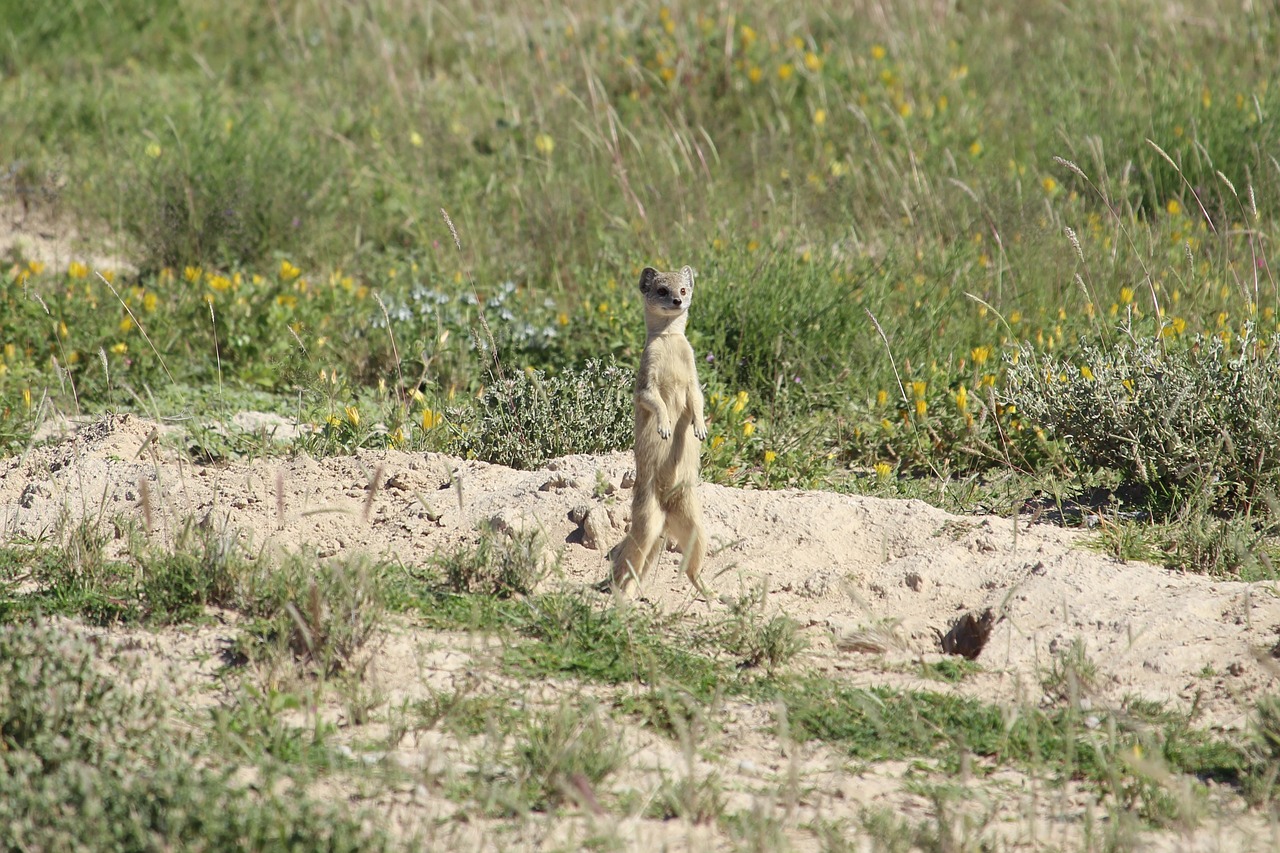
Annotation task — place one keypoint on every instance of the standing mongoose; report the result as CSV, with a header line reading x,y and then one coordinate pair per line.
x,y
669,431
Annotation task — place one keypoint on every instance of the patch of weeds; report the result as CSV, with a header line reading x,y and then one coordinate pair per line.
x,y
497,565
323,613
149,585
561,754
757,641
698,800
589,638
1136,760
86,763
528,417
1239,546
1127,540
670,710
884,831
758,830
252,727
546,760
1072,674
950,669
463,712
1261,783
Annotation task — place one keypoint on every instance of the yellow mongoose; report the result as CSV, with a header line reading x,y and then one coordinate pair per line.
x,y
669,431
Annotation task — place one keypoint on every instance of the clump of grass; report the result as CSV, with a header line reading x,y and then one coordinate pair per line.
x,y
696,799
1071,675
563,753
756,640
324,613
497,565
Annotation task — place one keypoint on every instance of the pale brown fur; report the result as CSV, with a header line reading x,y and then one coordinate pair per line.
x,y
669,431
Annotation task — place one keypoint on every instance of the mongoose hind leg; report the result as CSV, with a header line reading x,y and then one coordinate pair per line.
x,y
685,524
638,551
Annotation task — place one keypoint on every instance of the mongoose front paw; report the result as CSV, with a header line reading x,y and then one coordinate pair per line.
x,y
664,430
700,432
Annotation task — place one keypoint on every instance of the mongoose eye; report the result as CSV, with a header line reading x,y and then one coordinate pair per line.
x,y
683,291
662,291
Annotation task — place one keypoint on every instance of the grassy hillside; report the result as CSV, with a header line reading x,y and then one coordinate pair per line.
x,y
367,214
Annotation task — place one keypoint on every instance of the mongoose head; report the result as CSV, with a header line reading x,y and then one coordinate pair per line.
x,y
667,293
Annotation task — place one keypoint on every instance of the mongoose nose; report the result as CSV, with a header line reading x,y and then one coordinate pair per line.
x,y
675,300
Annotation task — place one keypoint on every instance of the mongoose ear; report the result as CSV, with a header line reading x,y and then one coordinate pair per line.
x,y
687,274
647,276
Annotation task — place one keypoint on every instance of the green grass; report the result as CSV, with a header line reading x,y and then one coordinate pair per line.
x,y
881,223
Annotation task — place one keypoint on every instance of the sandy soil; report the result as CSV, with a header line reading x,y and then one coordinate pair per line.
x,y
873,582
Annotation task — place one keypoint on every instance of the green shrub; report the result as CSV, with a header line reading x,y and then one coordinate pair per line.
x,y
85,763
528,417
1184,421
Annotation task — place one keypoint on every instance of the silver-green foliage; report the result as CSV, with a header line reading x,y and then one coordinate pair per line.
x,y
1194,422
527,417
88,763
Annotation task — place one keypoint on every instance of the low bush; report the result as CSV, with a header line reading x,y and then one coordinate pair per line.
x,y
1188,422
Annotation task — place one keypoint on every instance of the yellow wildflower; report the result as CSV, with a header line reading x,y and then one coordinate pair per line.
x,y
917,388
717,441
431,419
819,117
1086,372
785,71
882,397
813,62
883,471
740,401
353,415
78,270
962,398
769,457
748,428
288,272
545,144
120,348
877,52
921,408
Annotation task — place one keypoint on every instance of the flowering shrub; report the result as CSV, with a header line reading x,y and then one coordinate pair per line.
x,y
1197,421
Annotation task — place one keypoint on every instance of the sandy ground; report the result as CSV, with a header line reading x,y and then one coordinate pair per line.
x,y
873,582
